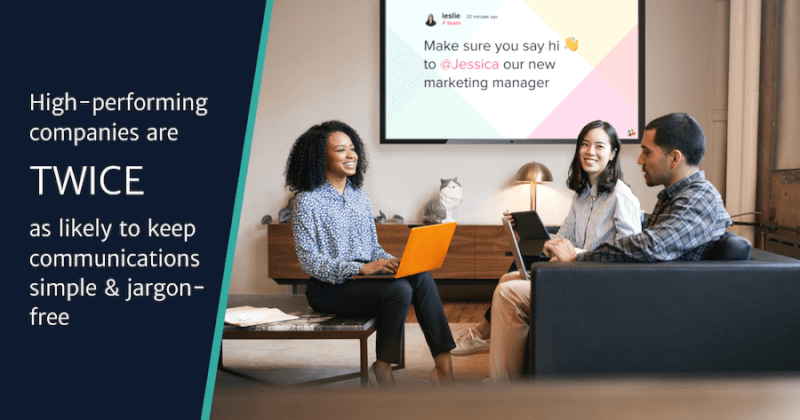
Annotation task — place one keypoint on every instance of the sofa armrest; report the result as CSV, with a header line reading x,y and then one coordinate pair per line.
x,y
730,247
705,316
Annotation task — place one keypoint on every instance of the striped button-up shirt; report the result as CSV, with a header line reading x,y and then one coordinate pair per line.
x,y
688,218
596,218
334,234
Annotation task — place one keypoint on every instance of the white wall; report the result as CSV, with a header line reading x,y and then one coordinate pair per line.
x,y
322,63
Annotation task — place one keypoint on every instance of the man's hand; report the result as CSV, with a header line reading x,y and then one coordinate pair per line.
x,y
559,250
389,266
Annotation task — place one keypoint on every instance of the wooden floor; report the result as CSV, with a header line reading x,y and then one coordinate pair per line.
x,y
466,312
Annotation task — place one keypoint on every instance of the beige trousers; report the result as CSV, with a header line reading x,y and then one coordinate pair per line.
x,y
511,315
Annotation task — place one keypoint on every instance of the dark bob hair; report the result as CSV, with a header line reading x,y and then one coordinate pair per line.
x,y
307,163
680,131
578,179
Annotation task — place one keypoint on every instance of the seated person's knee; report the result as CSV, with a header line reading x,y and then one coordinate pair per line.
x,y
514,275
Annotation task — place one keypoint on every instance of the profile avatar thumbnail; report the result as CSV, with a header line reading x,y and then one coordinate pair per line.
x,y
430,21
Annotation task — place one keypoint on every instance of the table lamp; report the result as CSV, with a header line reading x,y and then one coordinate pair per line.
x,y
533,173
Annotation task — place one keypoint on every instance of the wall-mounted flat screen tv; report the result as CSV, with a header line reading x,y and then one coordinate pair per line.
x,y
510,71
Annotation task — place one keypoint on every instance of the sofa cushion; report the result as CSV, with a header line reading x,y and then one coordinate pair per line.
x,y
730,247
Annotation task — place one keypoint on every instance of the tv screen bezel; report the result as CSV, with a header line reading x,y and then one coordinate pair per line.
x,y
384,140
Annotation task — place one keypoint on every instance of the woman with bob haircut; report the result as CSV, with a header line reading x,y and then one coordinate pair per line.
x,y
335,239
603,209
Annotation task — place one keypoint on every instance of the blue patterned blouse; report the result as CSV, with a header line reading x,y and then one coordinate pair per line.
x,y
334,234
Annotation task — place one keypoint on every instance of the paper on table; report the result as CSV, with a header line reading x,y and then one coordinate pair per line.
x,y
246,316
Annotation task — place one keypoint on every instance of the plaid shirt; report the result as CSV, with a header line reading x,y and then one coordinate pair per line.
x,y
689,217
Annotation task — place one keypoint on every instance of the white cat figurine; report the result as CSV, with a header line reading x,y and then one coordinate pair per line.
x,y
440,210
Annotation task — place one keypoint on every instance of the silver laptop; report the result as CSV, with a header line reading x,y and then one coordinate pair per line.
x,y
512,241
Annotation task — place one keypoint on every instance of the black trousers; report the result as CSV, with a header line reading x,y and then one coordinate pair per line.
x,y
389,300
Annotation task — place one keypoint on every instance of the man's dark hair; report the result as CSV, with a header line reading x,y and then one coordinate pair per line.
x,y
578,179
682,132
307,163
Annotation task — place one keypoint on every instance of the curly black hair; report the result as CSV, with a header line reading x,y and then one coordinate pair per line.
x,y
578,179
307,163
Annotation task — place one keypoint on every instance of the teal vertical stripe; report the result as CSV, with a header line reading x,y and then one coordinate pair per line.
x,y
237,211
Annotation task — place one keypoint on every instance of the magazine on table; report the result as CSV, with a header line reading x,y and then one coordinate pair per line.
x,y
246,316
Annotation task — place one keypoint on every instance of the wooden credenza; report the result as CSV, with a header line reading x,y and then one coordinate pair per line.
x,y
477,252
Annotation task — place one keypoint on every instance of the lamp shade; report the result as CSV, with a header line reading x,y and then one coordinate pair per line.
x,y
533,172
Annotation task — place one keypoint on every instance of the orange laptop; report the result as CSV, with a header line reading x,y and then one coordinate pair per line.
x,y
425,251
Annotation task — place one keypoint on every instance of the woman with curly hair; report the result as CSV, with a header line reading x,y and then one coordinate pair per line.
x,y
335,239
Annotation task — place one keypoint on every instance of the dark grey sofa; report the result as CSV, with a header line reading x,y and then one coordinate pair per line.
x,y
707,316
